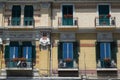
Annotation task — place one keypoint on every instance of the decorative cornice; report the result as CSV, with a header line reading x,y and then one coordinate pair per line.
x,y
59,0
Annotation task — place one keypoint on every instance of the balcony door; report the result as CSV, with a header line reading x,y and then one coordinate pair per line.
x,y
27,50
105,51
106,54
104,17
16,14
13,53
68,54
67,14
28,15
67,49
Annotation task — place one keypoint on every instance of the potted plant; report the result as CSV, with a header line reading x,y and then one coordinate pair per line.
x,y
68,60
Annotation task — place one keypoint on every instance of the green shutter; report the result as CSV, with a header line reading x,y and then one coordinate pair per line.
x,y
114,50
60,50
33,52
75,50
97,51
6,52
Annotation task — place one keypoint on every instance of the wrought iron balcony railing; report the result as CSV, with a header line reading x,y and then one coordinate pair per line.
x,y
107,63
67,63
17,22
19,63
107,22
28,21
69,21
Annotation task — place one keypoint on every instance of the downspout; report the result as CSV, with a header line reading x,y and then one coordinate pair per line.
x,y
51,41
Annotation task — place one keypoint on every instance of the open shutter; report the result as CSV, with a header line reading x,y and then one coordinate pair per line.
x,y
114,50
33,53
97,51
75,50
60,50
6,52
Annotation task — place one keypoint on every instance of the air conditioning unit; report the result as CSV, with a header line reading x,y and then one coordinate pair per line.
x,y
26,64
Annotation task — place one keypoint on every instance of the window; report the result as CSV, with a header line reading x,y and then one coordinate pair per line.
x,y
106,54
67,50
68,54
27,52
28,15
67,18
13,50
16,13
104,19
105,50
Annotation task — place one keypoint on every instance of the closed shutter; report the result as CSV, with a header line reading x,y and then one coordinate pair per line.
x,y
6,52
60,50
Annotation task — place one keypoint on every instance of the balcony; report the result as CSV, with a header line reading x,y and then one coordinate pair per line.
x,y
106,65
19,64
68,68
103,23
18,23
19,67
68,23
107,68
68,64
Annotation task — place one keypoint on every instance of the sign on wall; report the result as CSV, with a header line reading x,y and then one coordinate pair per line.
x,y
67,36
45,5
19,35
104,36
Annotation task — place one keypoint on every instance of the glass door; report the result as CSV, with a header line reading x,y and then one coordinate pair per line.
x,y
104,18
67,17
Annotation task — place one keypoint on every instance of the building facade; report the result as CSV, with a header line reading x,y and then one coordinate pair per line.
x,y
58,38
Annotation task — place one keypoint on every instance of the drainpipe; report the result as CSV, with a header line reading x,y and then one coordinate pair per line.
x,y
51,41
50,56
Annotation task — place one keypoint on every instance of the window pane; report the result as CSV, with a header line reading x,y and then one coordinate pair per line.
x,y
105,51
28,11
103,9
70,50
13,52
65,51
16,11
27,52
108,50
67,9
